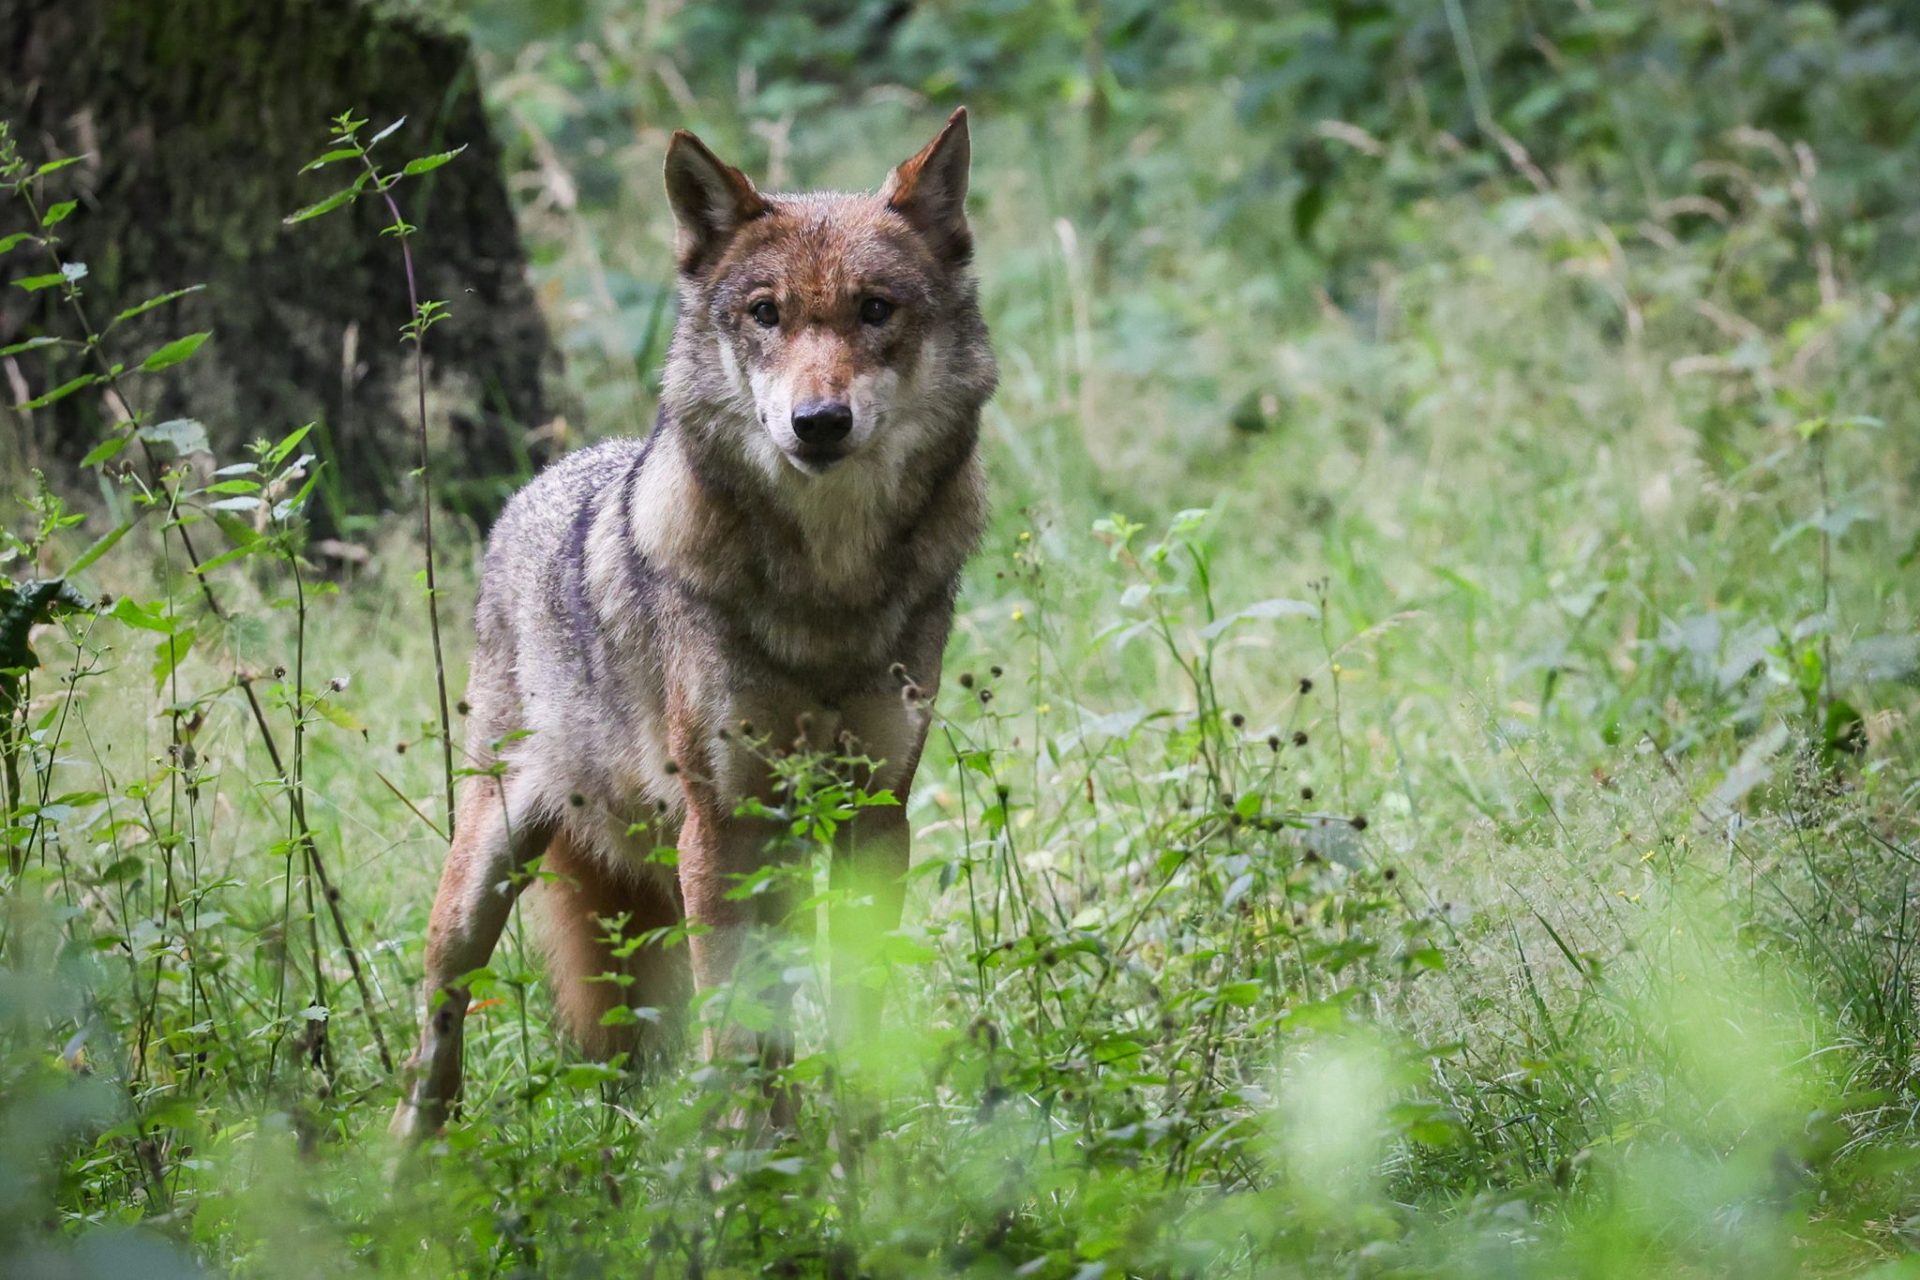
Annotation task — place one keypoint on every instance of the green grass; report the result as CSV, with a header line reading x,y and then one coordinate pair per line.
x,y
1564,930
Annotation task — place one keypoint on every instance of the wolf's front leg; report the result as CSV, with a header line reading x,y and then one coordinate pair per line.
x,y
737,944
870,855
868,889
495,839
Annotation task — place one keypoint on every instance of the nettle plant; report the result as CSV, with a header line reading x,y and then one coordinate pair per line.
x,y
108,869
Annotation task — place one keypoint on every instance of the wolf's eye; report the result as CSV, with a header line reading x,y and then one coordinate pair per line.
x,y
765,314
875,311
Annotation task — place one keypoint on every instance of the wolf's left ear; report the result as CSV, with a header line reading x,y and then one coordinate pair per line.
x,y
930,190
710,199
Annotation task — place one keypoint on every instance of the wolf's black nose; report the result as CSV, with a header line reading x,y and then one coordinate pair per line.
x,y
822,422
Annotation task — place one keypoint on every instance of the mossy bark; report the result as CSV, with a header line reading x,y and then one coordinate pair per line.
x,y
196,117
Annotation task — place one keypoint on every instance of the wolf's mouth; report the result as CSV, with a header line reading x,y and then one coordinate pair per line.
x,y
817,459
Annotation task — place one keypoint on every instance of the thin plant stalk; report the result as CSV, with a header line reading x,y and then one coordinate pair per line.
x,y
417,333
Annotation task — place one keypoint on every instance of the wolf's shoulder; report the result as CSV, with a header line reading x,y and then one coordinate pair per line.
x,y
553,499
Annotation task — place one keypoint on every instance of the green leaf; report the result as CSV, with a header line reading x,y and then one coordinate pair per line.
x,y
17,238
57,214
589,1075
279,452
101,546
169,654
31,344
151,303
238,531
55,166
332,202
60,392
174,352
230,555
131,612
427,164
182,435
34,284
105,450
338,153
387,132
338,716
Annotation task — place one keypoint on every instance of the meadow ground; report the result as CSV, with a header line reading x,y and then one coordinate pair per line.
x,y
1424,785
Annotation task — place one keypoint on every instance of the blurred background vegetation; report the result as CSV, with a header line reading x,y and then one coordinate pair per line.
x,y
1446,803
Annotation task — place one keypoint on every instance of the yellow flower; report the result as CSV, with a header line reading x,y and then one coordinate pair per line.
x,y
1019,615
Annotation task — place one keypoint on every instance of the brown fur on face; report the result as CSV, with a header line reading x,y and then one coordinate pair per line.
x,y
785,286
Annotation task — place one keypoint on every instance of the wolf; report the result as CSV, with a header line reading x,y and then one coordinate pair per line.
x,y
774,564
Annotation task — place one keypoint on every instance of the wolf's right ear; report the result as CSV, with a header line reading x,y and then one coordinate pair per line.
x,y
711,200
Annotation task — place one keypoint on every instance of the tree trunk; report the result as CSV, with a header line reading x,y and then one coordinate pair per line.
x,y
195,117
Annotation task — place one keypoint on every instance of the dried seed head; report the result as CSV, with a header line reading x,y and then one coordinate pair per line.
x,y
1390,874
463,706
1273,742
279,673
1237,720
996,671
399,748
672,767
577,800
985,696
1306,793
966,679
1306,685
1299,737
1359,821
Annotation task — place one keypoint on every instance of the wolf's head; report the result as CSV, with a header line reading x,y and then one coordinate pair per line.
x,y
823,330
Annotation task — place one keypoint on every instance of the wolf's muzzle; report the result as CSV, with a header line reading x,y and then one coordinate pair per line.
x,y
821,427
